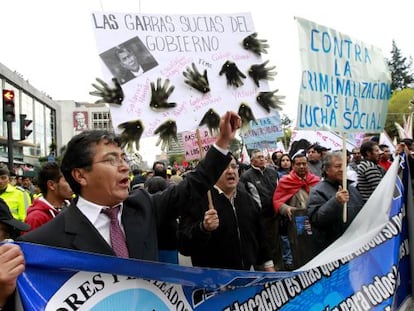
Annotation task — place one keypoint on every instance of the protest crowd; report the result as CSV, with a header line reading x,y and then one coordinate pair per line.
x,y
274,214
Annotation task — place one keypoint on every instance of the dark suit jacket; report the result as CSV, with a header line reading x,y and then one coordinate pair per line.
x,y
141,215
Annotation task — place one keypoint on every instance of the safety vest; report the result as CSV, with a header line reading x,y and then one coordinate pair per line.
x,y
17,200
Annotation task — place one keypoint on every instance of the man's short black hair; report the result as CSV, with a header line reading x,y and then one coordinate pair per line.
x,y
80,150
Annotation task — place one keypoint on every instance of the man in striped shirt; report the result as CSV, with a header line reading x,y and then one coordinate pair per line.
x,y
369,172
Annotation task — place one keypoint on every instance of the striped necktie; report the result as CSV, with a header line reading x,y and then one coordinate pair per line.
x,y
116,235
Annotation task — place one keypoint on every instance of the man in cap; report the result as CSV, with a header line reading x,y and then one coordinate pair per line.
x,y
17,200
10,227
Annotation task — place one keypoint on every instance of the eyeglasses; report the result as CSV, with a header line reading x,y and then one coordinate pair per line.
x,y
114,161
233,166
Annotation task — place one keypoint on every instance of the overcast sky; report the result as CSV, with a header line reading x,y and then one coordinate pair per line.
x,y
52,44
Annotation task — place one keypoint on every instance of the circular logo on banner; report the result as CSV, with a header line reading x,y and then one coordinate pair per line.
x,y
99,291
132,299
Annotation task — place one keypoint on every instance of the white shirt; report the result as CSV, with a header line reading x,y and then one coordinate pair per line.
x,y
100,221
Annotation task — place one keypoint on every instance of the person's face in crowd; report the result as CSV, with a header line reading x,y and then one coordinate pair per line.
x,y
335,172
374,154
323,154
269,160
4,181
229,178
63,190
300,166
313,155
276,156
159,167
13,180
258,160
26,182
356,155
285,163
128,60
386,154
107,181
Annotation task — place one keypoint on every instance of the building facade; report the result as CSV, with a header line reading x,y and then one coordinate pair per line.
x,y
54,122
38,107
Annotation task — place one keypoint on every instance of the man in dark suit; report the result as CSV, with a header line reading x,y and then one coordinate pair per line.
x,y
94,165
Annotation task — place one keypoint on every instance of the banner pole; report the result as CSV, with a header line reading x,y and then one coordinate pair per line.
x,y
200,144
344,175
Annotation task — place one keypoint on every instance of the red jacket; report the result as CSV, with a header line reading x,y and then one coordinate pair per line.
x,y
39,213
289,185
385,164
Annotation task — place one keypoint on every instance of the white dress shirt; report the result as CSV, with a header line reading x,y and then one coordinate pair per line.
x,y
100,221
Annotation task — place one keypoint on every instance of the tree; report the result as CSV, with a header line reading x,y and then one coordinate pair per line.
x,y
287,133
178,158
399,106
400,67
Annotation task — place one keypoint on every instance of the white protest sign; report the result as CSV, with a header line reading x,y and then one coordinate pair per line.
x,y
345,85
326,139
166,46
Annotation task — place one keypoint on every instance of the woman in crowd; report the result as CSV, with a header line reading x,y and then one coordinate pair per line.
x,y
284,165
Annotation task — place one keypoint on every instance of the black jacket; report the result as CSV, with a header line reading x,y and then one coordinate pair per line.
x,y
265,182
238,241
325,212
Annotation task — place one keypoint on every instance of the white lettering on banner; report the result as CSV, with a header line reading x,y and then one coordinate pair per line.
x,y
371,294
276,294
86,290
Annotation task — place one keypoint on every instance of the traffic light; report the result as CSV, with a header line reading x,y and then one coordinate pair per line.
x,y
24,132
8,106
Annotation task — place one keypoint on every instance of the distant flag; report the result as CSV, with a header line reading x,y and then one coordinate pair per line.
x,y
386,140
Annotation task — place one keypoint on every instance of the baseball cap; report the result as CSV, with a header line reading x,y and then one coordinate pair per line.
x,y
4,170
7,218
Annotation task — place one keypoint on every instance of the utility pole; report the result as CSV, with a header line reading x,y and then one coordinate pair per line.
x,y
10,145
9,117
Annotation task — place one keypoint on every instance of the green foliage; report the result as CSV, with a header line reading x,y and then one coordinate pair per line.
x,y
287,131
176,158
285,139
401,74
399,106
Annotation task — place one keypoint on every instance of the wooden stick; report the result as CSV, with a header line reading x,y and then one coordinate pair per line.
x,y
200,144
344,175
210,200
